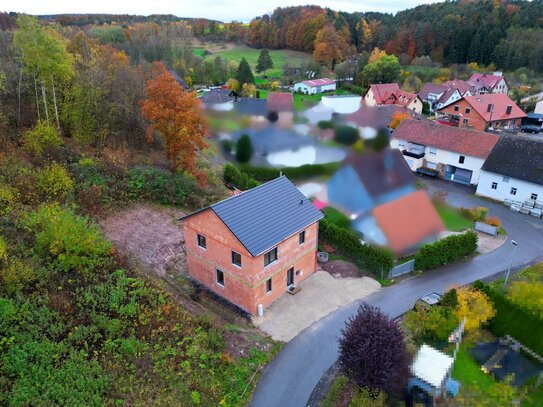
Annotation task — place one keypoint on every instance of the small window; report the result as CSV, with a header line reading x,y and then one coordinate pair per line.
x,y
456,108
270,257
465,121
236,258
433,150
494,185
202,241
268,285
468,110
461,159
301,237
513,191
533,196
220,277
505,179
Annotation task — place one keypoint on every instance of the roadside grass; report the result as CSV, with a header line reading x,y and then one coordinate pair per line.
x,y
337,392
336,217
453,218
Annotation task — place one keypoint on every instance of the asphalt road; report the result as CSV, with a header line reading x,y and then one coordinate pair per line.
x,y
291,377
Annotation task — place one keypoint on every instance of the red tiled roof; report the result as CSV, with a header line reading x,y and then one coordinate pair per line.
x,y
404,98
280,102
459,84
382,91
500,102
484,80
460,140
319,82
408,221
432,88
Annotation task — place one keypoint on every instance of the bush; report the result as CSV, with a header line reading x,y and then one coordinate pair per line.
x,y
68,241
239,179
41,138
446,250
227,145
54,182
372,351
376,260
7,199
346,135
16,275
493,221
264,174
477,214
244,149
325,124
430,323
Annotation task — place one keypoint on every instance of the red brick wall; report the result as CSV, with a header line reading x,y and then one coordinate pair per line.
x,y
245,286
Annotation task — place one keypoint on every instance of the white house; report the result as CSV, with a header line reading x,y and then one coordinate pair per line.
x,y
314,86
513,170
487,83
456,153
450,96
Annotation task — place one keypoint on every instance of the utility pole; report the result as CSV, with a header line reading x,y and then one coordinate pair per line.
x,y
511,264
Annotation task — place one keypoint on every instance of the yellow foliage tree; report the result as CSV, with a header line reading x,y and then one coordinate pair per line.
x,y
473,305
233,84
376,55
529,295
274,85
248,90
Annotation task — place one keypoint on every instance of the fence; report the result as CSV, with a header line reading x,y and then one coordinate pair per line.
x,y
402,268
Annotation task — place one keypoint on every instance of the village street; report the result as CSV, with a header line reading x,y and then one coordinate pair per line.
x,y
291,377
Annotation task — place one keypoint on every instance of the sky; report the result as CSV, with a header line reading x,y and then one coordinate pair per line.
x,y
223,10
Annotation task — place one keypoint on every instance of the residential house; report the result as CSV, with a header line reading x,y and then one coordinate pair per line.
x,y
458,154
513,170
464,87
280,107
219,99
487,83
391,94
251,248
404,224
365,181
492,110
314,86
438,96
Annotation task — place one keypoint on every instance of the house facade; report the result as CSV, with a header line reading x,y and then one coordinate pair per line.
x,y
496,111
457,154
489,83
513,170
391,94
250,248
438,96
314,86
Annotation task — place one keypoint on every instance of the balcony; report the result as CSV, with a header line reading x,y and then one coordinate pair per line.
x,y
413,153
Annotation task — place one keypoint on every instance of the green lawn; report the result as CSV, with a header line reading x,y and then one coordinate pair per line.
x,y
301,101
279,58
452,218
336,217
467,371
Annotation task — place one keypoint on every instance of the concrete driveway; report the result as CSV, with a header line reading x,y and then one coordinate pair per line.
x,y
321,294
291,377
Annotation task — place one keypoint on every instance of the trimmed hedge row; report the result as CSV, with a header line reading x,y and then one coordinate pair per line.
x,y
446,251
376,260
232,175
512,319
264,174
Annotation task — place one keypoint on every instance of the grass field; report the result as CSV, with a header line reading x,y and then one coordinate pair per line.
x,y
237,52
336,217
452,218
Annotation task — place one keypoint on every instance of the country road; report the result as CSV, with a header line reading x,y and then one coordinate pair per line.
x,y
291,377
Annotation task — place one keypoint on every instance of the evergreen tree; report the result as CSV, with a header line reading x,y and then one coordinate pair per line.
x,y
264,61
244,149
244,73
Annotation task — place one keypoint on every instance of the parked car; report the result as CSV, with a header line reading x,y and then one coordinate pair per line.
x,y
428,300
530,128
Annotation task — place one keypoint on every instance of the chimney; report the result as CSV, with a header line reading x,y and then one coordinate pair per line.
x,y
508,109
490,107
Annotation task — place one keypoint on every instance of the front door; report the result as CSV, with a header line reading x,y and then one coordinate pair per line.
x,y
290,277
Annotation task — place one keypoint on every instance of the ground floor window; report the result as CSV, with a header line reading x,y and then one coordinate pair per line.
x,y
268,285
533,196
220,277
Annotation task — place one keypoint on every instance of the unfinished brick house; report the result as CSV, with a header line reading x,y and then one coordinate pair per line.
x,y
252,247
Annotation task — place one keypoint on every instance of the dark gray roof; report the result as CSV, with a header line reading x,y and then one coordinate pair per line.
x,y
519,157
217,96
264,216
251,107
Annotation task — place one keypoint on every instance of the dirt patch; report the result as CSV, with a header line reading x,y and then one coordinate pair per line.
x,y
149,234
342,268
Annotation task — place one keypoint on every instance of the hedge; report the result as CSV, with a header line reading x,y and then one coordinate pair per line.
x,y
347,243
240,180
512,319
264,174
446,250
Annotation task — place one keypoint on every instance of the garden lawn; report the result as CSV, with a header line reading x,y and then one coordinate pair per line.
x,y
302,101
453,218
336,217
468,372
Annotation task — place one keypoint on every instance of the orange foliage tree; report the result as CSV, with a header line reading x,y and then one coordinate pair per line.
x,y
397,118
177,116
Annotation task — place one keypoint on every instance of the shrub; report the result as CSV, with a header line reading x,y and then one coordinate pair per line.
x,y
227,145
473,306
264,174
372,351
7,199
477,214
244,149
68,241
493,221
16,276
54,182
346,135
430,323
347,243
159,185
450,299
446,250
239,179
41,138
325,124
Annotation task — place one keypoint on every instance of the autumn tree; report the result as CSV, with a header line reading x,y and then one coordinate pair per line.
x,y
372,351
331,46
233,85
386,69
397,118
264,61
244,73
474,306
176,115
